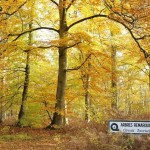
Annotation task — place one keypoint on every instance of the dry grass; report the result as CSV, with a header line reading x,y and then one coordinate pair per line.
x,y
76,136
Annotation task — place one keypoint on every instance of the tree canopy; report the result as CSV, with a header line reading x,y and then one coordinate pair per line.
x,y
61,60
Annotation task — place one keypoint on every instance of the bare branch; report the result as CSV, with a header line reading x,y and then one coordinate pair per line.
x,y
77,68
48,113
29,31
143,37
87,18
70,4
54,2
73,45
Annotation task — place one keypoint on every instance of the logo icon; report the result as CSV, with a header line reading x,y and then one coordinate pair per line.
x,y
114,127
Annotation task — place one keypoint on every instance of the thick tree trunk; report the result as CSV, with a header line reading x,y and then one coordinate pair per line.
x,y
59,115
26,83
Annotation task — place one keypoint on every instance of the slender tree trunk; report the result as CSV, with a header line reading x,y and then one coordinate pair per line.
x,y
66,121
59,115
85,76
25,90
2,92
113,77
1,112
130,103
87,106
1,101
149,77
26,83
87,94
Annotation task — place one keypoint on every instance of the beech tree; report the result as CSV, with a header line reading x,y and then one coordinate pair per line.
x,y
26,82
132,15
64,25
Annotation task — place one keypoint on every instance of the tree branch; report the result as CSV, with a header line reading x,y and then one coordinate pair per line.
x,y
129,20
124,63
70,4
146,54
50,46
143,37
48,113
10,14
77,68
29,31
106,16
87,18
54,2
45,47
73,45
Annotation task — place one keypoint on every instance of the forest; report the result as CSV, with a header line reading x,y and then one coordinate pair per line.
x,y
67,67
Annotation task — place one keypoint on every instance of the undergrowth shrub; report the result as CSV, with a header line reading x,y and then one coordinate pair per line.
x,y
95,136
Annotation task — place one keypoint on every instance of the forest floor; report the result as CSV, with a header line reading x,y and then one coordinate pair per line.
x,y
91,136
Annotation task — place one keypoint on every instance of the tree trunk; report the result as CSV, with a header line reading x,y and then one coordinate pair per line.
x,y
2,98
85,76
149,77
1,113
87,106
113,77
87,95
26,83
59,115
1,101
25,90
